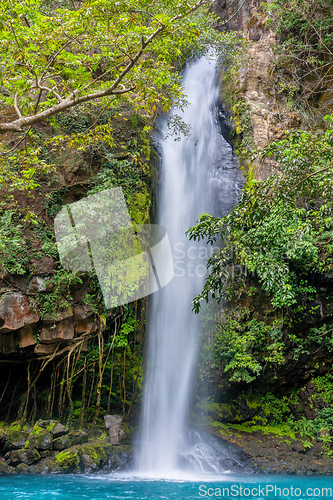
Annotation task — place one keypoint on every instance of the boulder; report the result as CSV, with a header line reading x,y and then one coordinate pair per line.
x,y
62,442
84,458
24,455
15,436
46,465
16,312
78,437
41,441
114,423
68,461
23,469
44,424
5,468
58,429
93,456
26,337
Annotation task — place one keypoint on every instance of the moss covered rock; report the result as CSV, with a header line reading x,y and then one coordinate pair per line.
x,y
23,469
25,456
68,461
5,468
94,456
62,442
41,441
58,429
80,437
15,436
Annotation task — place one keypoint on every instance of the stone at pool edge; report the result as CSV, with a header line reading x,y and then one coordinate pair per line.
x,y
5,468
61,443
115,426
24,456
90,457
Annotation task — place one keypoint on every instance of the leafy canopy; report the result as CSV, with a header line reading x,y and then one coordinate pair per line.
x,y
100,54
52,62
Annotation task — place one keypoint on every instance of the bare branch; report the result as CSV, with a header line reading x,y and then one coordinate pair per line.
x,y
19,114
52,91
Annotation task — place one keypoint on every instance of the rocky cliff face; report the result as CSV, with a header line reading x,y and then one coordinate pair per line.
x,y
42,305
54,319
252,81
297,390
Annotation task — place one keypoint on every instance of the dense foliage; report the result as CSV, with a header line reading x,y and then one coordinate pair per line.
x,y
281,230
91,56
304,64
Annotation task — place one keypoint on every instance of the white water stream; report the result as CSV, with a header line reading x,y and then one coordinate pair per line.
x,y
199,175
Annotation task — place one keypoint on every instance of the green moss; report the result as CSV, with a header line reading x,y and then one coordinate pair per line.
x,y
36,430
14,427
278,430
16,432
68,460
139,206
218,425
91,451
252,404
50,427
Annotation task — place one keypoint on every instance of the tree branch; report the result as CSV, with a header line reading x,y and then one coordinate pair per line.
x,y
116,89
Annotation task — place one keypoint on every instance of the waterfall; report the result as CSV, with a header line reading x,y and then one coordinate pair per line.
x,y
199,174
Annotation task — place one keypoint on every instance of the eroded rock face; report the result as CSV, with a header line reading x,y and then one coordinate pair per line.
x,y
22,330
16,312
44,349
243,16
57,332
26,336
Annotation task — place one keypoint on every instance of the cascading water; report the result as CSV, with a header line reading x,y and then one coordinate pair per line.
x,y
199,174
